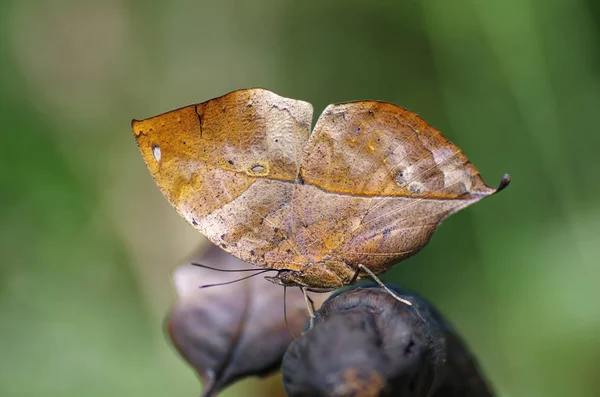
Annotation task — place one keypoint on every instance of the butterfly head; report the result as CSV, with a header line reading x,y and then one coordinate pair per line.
x,y
303,279
287,278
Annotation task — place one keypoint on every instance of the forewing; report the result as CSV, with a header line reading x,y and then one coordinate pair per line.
x,y
228,166
377,181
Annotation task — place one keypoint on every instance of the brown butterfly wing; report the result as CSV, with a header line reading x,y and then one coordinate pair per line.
x,y
229,166
378,180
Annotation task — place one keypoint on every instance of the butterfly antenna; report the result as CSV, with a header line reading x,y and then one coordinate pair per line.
x,y
216,269
285,312
235,281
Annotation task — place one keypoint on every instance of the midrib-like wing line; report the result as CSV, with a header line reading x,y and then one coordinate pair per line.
x,y
408,195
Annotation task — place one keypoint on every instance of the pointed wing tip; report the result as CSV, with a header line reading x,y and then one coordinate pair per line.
x,y
504,182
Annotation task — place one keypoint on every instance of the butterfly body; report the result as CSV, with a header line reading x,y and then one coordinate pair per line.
x,y
368,186
317,277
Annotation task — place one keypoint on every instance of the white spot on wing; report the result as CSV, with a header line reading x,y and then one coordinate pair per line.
x,y
416,187
156,152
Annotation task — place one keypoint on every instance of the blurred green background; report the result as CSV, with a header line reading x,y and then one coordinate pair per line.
x,y
87,243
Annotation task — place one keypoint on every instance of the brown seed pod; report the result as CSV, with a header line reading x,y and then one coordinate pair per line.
x,y
231,331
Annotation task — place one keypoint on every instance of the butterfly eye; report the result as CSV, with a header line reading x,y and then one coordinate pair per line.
x,y
287,278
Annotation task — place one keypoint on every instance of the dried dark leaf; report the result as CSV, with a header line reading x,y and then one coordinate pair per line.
x,y
232,331
366,343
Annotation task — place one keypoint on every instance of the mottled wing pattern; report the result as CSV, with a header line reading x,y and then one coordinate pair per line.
x,y
376,182
229,166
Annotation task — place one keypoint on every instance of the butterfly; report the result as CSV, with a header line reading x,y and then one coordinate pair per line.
x,y
366,189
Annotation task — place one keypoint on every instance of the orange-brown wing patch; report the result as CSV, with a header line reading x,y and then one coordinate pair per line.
x,y
381,179
228,166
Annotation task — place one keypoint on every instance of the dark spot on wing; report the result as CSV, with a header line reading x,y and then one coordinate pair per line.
x,y
386,234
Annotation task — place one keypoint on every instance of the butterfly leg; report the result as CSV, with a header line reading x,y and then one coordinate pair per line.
x,y
310,305
378,281
355,277
285,313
